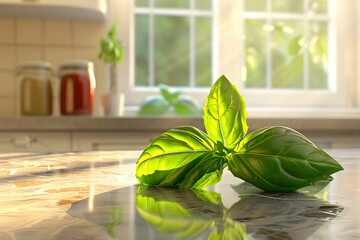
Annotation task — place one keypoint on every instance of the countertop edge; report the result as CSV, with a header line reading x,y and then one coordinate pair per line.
x,y
163,124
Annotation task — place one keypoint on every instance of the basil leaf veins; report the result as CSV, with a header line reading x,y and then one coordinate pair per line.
x,y
225,114
281,159
272,159
181,157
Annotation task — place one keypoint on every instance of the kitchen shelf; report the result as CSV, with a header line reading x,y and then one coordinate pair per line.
x,y
93,10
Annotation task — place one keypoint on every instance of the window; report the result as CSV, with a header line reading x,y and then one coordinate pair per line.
x,y
293,53
279,53
286,45
173,43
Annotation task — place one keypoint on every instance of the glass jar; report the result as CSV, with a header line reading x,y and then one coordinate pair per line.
x,y
35,88
77,87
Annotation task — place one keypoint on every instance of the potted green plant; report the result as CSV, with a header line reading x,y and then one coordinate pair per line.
x,y
111,53
170,100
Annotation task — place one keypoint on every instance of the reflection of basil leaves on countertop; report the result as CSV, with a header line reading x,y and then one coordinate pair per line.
x,y
273,158
185,213
200,214
170,99
116,220
278,215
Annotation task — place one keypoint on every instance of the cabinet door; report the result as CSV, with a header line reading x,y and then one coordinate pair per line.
x,y
34,141
101,141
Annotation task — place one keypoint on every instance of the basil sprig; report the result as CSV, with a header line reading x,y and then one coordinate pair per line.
x,y
273,158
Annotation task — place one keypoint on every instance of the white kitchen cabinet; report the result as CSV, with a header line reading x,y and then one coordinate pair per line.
x,y
124,140
34,141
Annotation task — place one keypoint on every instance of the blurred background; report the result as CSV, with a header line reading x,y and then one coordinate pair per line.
x,y
294,61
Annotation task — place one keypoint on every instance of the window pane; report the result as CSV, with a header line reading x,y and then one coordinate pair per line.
x,y
172,50
255,48
318,56
318,6
287,6
203,51
255,5
142,50
203,4
172,3
141,3
286,55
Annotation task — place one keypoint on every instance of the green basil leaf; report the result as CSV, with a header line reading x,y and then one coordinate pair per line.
x,y
153,106
207,172
225,114
281,159
171,156
185,105
169,93
248,137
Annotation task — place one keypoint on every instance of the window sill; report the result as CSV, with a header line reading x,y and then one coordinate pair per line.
x,y
304,113
302,119
280,113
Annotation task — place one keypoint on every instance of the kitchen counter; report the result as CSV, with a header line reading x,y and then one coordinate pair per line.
x,y
81,133
81,123
37,190
94,195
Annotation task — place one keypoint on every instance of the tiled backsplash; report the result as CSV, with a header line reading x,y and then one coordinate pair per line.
x,y
54,41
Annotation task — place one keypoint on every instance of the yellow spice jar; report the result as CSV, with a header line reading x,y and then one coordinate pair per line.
x,y
35,88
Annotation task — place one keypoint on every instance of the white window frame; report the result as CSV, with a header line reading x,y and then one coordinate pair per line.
x,y
228,59
269,17
340,94
134,96
192,14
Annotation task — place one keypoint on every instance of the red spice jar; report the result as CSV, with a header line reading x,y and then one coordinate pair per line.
x,y
77,87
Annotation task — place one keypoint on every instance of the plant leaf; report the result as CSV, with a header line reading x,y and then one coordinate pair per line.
x,y
169,93
225,114
153,106
112,31
281,159
207,172
185,105
173,155
111,49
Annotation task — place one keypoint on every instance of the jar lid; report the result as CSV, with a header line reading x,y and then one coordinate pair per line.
x,y
35,64
76,64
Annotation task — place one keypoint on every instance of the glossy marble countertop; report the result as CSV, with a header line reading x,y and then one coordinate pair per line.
x,y
94,195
